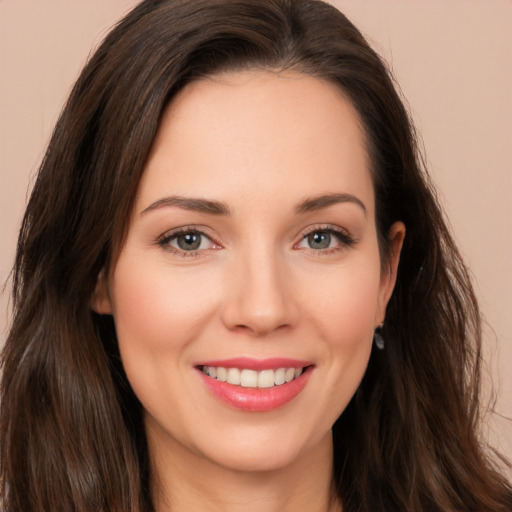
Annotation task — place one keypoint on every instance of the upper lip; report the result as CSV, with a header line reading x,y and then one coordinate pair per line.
x,y
256,364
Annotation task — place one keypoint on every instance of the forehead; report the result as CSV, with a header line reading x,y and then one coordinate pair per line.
x,y
257,132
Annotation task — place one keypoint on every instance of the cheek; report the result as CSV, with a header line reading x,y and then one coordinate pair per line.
x,y
158,314
345,302
338,312
343,314
157,307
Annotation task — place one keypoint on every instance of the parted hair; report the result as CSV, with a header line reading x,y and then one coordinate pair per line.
x,y
71,430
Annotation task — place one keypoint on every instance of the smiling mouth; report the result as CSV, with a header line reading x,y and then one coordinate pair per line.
x,y
247,378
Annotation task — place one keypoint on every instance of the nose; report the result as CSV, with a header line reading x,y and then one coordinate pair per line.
x,y
260,297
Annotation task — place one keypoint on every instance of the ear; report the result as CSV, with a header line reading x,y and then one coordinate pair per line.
x,y
100,301
389,269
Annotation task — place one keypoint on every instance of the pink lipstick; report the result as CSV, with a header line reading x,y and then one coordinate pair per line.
x,y
253,384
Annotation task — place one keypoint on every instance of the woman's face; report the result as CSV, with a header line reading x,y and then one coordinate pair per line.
x,y
252,256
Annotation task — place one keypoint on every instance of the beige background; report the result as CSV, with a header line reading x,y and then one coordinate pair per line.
x,y
452,58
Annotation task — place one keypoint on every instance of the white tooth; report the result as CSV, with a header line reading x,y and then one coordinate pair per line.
x,y
205,370
222,374
289,374
248,378
298,372
266,379
233,376
279,376
212,371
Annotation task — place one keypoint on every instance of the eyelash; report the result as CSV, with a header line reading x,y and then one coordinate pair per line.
x,y
345,239
166,239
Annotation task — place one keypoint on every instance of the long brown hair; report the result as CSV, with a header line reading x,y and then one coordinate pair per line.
x,y
72,437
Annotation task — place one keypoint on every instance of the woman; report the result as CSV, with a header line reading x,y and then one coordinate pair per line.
x,y
234,287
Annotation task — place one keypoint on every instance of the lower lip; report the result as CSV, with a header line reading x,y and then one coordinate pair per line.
x,y
256,399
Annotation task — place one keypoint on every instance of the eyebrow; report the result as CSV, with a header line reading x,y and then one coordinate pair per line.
x,y
219,208
326,200
190,203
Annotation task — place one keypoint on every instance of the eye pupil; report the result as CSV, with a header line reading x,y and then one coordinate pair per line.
x,y
319,240
189,241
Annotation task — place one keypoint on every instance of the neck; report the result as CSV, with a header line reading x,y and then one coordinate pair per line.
x,y
183,481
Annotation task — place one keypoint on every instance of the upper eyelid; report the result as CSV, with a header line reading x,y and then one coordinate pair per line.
x,y
165,243
204,231
343,235
324,227
165,239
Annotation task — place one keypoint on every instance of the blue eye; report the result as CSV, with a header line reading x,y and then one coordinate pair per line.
x,y
325,238
319,240
187,241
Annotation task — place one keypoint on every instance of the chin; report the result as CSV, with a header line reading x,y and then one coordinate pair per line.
x,y
265,450
254,459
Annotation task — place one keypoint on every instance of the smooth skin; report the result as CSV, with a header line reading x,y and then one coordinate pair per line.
x,y
281,261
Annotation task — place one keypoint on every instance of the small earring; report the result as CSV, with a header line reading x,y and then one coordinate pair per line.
x,y
378,339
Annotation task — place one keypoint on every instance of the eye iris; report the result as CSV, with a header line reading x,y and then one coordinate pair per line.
x,y
189,241
319,240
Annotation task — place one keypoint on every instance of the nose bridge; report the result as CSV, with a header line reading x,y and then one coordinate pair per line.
x,y
260,300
